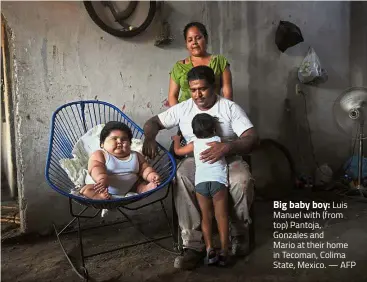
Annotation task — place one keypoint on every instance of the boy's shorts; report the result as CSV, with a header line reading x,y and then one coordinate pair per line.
x,y
210,188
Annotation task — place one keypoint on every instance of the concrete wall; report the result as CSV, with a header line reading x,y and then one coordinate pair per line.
x,y
61,56
358,43
264,77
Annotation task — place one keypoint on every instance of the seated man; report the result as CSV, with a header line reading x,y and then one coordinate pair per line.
x,y
238,138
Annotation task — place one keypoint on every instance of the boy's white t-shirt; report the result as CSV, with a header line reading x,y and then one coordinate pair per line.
x,y
204,172
233,120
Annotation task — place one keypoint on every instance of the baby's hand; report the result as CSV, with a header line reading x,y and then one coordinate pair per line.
x,y
101,185
176,138
154,178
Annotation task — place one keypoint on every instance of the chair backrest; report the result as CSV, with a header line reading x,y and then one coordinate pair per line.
x,y
71,121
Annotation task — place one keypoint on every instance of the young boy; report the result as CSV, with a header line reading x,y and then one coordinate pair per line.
x,y
211,182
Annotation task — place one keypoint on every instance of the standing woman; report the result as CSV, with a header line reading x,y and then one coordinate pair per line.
x,y
196,38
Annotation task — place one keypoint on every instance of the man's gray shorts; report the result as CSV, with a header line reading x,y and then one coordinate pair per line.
x,y
209,189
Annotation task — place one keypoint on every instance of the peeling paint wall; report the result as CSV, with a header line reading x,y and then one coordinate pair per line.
x,y
61,56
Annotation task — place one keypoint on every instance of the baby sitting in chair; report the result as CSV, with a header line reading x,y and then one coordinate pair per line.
x,y
115,169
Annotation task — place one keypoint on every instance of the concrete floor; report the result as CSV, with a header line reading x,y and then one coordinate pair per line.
x,y
30,258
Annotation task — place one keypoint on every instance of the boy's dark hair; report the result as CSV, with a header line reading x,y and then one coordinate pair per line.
x,y
114,125
204,125
201,72
199,26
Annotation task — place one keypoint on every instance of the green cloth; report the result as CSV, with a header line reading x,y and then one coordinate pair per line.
x,y
179,74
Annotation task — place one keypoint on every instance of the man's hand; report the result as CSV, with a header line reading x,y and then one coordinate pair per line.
x,y
150,148
216,151
101,186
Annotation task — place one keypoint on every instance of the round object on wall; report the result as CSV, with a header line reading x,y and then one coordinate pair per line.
x,y
121,18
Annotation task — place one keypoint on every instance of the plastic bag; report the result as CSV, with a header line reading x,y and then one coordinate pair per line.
x,y
310,71
287,35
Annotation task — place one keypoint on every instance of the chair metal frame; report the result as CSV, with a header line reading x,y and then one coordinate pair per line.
x,y
168,169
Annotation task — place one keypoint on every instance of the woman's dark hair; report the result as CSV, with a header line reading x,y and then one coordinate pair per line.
x,y
201,72
114,125
204,125
199,26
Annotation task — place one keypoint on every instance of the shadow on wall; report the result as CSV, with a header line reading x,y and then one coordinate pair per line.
x,y
294,133
253,68
275,108
272,172
273,76
297,136
358,43
266,74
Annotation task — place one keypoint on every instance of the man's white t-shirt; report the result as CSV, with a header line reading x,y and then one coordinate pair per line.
x,y
233,120
206,171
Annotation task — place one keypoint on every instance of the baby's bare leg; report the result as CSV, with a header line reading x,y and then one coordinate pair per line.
x,y
145,186
89,192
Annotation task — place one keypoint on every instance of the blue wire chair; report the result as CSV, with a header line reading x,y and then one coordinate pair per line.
x,y
70,122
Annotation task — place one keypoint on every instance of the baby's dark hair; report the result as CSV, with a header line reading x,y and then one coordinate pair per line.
x,y
204,125
199,26
114,125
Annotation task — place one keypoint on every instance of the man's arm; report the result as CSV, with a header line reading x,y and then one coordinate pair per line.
x,y
244,145
244,129
151,129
